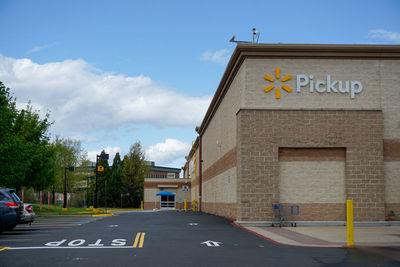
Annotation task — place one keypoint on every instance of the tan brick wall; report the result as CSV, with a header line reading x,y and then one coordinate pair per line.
x,y
312,182
219,150
194,178
392,182
222,209
220,135
262,132
380,79
389,79
221,188
223,164
317,212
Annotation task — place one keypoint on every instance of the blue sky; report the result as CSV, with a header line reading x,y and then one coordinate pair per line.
x,y
114,72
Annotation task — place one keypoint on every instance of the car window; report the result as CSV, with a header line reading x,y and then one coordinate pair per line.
x,y
15,197
2,196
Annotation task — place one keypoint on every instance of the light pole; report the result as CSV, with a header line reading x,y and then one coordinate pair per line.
x,y
104,157
65,186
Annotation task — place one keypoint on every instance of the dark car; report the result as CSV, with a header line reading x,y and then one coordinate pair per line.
x,y
10,209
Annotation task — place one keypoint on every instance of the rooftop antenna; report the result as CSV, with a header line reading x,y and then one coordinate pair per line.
x,y
256,35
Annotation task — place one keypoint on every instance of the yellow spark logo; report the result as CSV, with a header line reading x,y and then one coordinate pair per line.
x,y
277,76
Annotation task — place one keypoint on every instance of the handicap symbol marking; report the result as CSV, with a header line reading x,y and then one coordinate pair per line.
x,y
210,243
193,224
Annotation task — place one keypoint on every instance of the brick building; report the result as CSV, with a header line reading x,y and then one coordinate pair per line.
x,y
165,179
162,172
305,125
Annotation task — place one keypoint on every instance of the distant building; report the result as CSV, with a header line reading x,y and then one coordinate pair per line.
x,y
165,179
162,172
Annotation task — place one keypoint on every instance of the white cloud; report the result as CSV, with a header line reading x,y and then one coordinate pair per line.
x,y
109,150
83,138
384,35
82,99
37,49
168,152
221,56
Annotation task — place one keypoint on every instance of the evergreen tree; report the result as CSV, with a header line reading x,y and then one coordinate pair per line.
x,y
115,182
102,177
133,173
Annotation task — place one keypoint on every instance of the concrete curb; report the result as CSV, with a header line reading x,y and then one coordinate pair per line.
x,y
318,223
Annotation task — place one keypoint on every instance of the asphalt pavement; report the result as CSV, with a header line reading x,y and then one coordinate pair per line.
x,y
166,238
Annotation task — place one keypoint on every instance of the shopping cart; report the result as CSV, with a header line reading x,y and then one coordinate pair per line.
x,y
282,211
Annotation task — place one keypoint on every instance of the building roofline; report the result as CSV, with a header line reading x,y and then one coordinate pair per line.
x,y
243,51
161,168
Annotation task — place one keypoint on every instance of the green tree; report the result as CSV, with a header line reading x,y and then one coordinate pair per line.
x,y
114,186
133,173
24,148
67,153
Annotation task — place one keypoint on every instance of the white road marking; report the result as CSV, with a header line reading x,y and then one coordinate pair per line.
x,y
25,248
15,240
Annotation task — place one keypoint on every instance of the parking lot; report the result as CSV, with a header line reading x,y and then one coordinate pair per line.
x,y
168,238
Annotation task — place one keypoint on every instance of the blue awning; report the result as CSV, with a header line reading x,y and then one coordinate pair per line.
x,y
165,193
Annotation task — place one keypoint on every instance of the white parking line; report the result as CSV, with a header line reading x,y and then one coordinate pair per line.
x,y
15,240
26,248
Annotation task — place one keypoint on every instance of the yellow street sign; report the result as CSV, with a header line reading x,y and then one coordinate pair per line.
x,y
100,168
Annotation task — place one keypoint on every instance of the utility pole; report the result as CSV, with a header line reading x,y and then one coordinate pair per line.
x,y
65,186
99,168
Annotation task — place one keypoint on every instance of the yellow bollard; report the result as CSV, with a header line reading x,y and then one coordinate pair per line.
x,y
141,205
194,205
185,205
350,226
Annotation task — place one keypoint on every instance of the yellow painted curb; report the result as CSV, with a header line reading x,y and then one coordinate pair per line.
x,y
102,215
122,210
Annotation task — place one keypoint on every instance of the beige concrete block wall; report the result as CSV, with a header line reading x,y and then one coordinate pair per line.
x,y
150,194
312,182
392,182
222,188
220,135
390,91
217,141
381,90
390,86
263,132
194,178
366,71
